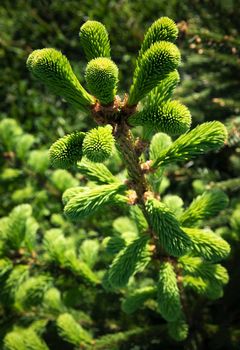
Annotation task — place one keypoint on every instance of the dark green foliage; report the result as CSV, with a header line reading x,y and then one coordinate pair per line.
x,y
178,329
135,300
114,244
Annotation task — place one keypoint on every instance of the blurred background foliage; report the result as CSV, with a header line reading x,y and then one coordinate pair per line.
x,y
31,119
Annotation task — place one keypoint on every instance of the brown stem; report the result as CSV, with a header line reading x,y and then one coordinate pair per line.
x,y
126,146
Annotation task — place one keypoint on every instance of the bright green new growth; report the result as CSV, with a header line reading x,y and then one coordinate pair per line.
x,y
52,300
88,202
197,267
72,331
71,192
157,62
164,91
209,136
32,291
53,69
24,339
207,244
210,203
164,29
96,172
172,117
98,144
171,237
102,79
203,277
169,303
67,150
94,40
159,142
201,286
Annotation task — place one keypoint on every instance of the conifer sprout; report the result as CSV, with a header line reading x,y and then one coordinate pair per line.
x,y
24,339
94,40
159,142
131,259
171,237
209,136
71,192
157,62
98,144
168,293
14,341
96,172
163,91
114,244
72,331
52,300
32,291
16,226
203,277
67,150
207,244
102,79
87,202
172,117
197,267
53,69
163,29
204,206
207,288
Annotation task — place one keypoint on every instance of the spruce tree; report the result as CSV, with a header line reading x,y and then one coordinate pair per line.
x,y
170,246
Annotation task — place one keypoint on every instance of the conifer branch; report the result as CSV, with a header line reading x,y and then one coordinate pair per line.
x,y
160,239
